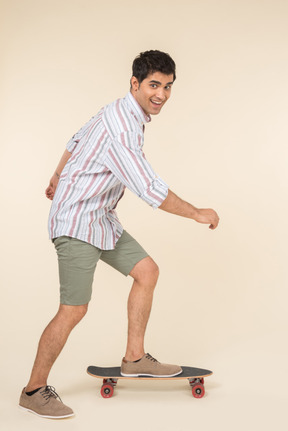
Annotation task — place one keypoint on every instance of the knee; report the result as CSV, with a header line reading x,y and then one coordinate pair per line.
x,y
73,313
154,272
80,311
146,271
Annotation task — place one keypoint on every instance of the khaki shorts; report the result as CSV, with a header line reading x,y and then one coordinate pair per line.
x,y
77,261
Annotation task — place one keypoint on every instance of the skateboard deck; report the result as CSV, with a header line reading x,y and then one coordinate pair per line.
x,y
111,375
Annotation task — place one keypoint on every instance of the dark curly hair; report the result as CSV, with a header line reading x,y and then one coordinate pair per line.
x,y
153,61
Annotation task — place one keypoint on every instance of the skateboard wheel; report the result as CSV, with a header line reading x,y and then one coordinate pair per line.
x,y
198,390
107,390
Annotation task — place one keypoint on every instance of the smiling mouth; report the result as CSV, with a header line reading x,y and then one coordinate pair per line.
x,y
156,102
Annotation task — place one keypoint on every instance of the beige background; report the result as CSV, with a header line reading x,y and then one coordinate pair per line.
x,y
220,142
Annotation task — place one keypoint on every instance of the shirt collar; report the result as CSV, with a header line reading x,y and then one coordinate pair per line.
x,y
136,109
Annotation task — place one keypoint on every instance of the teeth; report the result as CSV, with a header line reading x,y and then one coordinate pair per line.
x,y
157,103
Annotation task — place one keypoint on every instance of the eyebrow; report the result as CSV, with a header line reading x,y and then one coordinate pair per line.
x,y
160,83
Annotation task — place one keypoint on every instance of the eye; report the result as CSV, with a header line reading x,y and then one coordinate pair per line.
x,y
168,87
153,85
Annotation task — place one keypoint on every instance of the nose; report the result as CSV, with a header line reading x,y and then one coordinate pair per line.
x,y
160,93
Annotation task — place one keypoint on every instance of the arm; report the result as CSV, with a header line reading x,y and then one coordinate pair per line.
x,y
133,170
174,205
127,162
50,191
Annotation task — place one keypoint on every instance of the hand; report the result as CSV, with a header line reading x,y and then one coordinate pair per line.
x,y
207,216
50,191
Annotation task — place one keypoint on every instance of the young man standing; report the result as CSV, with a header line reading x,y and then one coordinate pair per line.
x,y
100,161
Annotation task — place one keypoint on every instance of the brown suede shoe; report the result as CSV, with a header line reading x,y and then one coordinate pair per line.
x,y
150,367
44,403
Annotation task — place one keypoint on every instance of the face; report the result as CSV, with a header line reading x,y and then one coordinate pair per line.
x,y
153,92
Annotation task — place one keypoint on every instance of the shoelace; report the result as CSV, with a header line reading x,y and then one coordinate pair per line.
x,y
49,392
148,356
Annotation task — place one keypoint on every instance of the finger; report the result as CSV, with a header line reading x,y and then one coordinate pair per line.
x,y
49,195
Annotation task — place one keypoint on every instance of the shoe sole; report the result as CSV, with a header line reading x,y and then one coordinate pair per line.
x,y
46,416
162,376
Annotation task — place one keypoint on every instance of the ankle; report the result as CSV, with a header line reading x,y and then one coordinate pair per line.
x,y
132,357
30,393
31,388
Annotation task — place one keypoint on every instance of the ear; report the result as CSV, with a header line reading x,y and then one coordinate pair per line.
x,y
134,83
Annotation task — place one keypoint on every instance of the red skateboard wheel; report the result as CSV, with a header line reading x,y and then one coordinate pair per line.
x,y
198,390
107,390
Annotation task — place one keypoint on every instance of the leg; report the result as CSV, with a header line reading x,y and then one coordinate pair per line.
x,y
77,262
52,342
145,274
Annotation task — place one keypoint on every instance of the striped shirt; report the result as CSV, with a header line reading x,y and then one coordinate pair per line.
x,y
106,158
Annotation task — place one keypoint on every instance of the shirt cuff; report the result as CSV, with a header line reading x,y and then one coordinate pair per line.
x,y
156,193
71,145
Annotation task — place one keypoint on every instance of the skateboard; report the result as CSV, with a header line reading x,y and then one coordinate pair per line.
x,y
111,375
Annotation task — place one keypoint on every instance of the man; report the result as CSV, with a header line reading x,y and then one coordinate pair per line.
x,y
100,161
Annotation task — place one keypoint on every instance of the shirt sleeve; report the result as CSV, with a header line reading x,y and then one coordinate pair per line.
x,y
72,144
126,160
86,129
